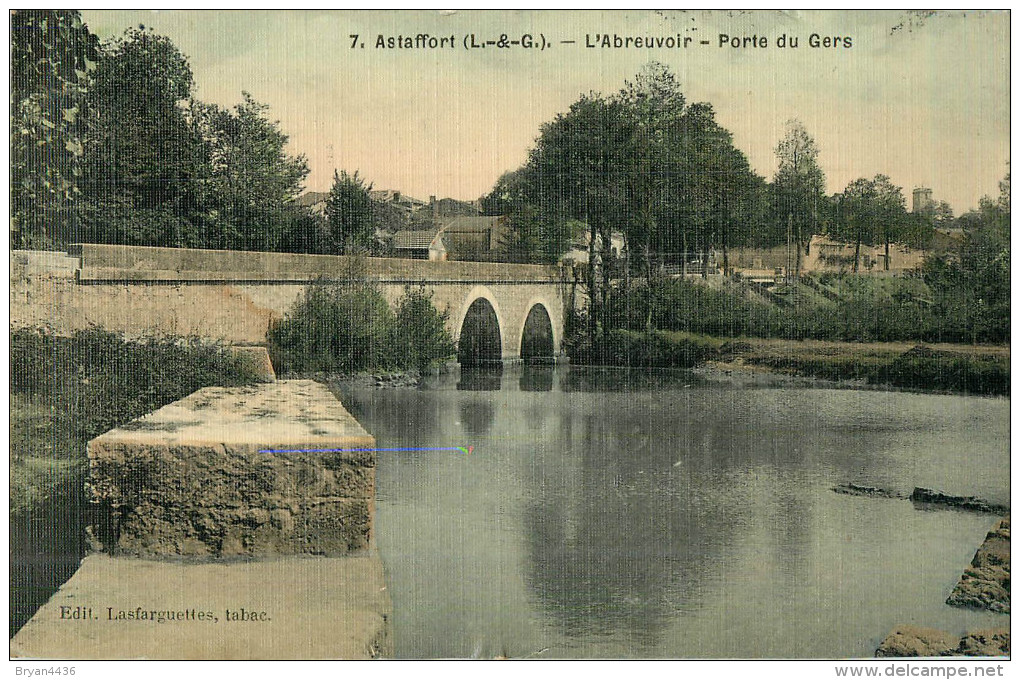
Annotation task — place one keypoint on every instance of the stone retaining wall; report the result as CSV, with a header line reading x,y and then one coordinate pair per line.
x,y
236,472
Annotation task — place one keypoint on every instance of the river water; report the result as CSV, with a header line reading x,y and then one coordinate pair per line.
x,y
620,514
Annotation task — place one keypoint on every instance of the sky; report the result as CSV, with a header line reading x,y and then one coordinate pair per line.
x,y
923,98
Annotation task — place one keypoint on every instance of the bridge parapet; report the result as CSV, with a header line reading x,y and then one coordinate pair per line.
x,y
101,262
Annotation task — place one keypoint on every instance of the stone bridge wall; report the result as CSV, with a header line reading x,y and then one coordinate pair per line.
x,y
234,296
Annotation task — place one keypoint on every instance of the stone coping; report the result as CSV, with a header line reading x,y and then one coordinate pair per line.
x,y
286,414
111,262
115,275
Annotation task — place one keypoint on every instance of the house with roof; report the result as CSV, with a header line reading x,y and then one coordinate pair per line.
x,y
314,201
420,245
460,237
472,237
578,252
396,198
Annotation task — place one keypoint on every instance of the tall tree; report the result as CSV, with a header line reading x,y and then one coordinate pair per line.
x,y
142,152
799,184
658,106
349,213
583,160
252,181
858,210
890,212
52,53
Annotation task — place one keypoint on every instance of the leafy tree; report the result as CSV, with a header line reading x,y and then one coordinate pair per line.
x,y
522,240
530,234
658,106
349,213
52,52
142,153
943,214
890,212
644,162
971,284
583,160
420,337
872,211
252,182
799,184
724,195
857,214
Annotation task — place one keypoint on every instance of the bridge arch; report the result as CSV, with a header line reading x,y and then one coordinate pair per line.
x,y
480,329
533,315
537,343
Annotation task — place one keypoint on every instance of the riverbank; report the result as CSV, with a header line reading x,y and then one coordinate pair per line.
x,y
939,368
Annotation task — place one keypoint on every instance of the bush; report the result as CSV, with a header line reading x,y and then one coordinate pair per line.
x,y
96,380
337,327
420,338
347,326
921,368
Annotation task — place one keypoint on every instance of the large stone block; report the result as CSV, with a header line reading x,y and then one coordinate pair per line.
x,y
235,472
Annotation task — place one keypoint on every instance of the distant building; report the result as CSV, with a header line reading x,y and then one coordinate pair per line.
x,y
434,230
922,200
472,237
420,245
578,252
398,199
314,201
828,255
451,207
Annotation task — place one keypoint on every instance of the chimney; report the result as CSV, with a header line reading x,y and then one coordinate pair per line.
x,y
435,208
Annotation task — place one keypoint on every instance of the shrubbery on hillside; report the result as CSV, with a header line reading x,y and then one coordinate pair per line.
x,y
857,309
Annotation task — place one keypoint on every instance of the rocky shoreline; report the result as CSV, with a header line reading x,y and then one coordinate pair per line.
x,y
985,584
914,641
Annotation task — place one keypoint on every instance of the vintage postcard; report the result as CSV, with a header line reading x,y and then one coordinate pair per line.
x,y
510,335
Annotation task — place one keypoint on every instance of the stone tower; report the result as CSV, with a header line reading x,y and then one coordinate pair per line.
x,y
922,199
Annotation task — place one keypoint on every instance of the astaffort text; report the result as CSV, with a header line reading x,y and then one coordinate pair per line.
x,y
599,41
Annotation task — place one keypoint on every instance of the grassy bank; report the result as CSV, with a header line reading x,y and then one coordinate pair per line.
x,y
849,308
648,349
967,369
65,391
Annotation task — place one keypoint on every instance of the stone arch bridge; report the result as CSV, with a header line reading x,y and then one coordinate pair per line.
x,y
497,312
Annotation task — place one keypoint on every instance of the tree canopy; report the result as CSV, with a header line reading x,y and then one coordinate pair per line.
x,y
349,213
109,145
52,52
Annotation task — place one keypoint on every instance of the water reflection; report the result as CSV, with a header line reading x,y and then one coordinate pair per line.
x,y
476,417
612,379
622,513
615,546
486,378
536,378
